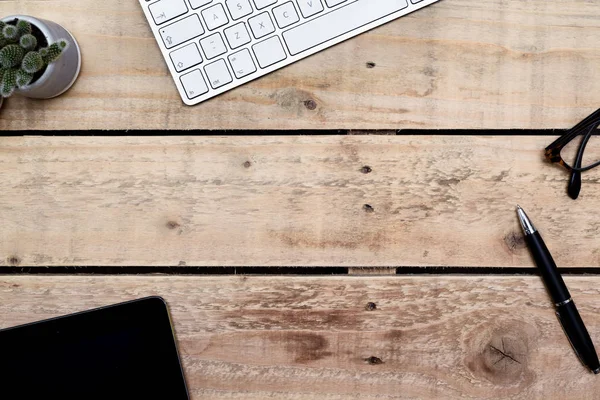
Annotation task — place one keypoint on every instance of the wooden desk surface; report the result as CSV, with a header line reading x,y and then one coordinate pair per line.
x,y
72,205
315,338
457,64
369,203
289,201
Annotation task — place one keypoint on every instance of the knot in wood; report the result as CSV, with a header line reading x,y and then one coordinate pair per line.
x,y
514,241
500,353
310,104
13,261
374,360
172,225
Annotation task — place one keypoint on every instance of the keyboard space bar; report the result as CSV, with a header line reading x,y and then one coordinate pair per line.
x,y
339,22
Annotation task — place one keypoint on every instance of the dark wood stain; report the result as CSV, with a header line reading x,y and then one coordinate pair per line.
x,y
449,182
299,240
394,335
515,241
13,261
368,208
306,346
173,225
500,177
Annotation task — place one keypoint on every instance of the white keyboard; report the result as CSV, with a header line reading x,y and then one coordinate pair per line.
x,y
212,46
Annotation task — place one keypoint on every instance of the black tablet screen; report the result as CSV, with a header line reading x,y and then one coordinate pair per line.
x,y
125,351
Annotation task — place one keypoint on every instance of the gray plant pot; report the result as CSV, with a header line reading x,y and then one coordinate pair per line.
x,y
62,73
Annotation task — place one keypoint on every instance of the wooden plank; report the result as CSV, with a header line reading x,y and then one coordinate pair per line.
x,y
483,337
457,64
288,201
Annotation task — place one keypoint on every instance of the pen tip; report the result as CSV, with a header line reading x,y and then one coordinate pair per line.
x,y
526,224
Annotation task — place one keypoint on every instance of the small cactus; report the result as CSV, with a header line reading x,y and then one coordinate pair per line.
x,y
21,56
23,78
23,28
54,51
10,33
28,41
9,82
11,55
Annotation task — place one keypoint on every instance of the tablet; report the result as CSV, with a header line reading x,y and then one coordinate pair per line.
x,y
124,351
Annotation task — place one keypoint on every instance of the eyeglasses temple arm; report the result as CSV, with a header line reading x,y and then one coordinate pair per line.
x,y
575,182
559,143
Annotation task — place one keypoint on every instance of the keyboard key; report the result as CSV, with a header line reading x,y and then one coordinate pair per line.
x,y
165,10
239,8
308,8
285,15
186,57
181,31
194,84
261,25
242,63
333,3
215,17
269,52
213,46
218,74
237,35
199,3
339,22
260,4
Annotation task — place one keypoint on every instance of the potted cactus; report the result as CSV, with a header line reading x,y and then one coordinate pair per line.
x,y
38,58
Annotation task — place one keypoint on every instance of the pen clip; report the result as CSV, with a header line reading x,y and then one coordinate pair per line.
x,y
569,339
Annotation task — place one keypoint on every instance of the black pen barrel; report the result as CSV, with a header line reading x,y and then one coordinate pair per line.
x,y
566,311
554,282
578,335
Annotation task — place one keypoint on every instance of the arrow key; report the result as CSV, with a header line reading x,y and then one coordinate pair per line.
x,y
242,63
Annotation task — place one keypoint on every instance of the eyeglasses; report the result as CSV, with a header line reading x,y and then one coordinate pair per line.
x,y
555,152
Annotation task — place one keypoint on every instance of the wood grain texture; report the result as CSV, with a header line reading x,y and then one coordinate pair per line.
x,y
240,337
456,64
288,201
